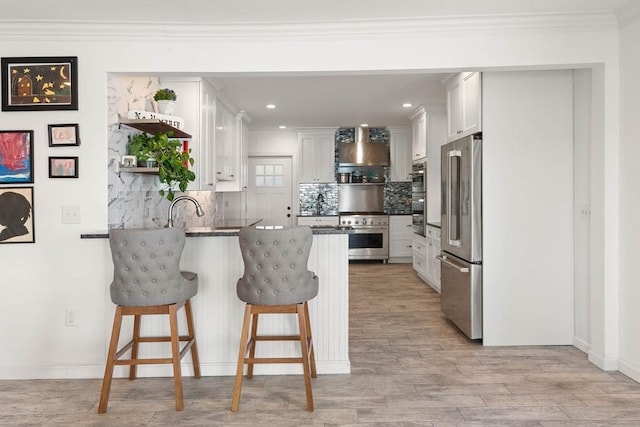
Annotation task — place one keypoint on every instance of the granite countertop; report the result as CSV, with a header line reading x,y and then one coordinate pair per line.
x,y
229,227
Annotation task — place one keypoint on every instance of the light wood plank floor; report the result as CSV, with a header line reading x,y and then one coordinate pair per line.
x,y
410,367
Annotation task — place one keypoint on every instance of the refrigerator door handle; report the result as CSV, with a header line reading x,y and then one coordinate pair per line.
x,y
453,235
451,264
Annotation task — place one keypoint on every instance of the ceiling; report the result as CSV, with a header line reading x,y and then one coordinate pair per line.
x,y
311,100
331,100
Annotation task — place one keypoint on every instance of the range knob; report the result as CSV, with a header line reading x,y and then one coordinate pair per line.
x,y
364,222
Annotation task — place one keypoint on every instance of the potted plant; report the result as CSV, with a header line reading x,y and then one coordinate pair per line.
x,y
173,163
166,99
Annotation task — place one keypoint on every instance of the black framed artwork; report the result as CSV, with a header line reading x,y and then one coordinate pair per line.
x,y
63,167
64,135
16,156
16,215
39,83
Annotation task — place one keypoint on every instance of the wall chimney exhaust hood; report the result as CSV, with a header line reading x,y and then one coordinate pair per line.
x,y
362,152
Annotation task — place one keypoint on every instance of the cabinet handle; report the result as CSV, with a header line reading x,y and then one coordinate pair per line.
x,y
459,131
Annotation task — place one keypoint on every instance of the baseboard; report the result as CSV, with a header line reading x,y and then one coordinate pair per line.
x,y
630,370
603,363
581,345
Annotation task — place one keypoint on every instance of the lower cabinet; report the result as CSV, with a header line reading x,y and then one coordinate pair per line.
x,y
425,251
400,238
319,221
420,255
433,263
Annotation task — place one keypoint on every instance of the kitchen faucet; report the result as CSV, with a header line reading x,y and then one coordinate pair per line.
x,y
319,201
199,210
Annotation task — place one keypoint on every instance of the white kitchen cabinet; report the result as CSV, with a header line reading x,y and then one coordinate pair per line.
x,y
464,105
433,263
194,104
401,149
400,238
317,155
231,151
319,221
420,255
419,134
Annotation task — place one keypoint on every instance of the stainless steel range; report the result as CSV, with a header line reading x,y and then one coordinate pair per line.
x,y
370,239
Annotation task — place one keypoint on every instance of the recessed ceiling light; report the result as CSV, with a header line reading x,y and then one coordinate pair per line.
x,y
364,125
282,127
271,106
407,105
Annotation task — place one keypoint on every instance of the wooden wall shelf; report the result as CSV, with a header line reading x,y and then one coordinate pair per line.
x,y
153,127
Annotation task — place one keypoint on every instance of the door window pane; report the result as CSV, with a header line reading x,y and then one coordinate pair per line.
x,y
269,175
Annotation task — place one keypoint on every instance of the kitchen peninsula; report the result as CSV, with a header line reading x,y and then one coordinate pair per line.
x,y
214,253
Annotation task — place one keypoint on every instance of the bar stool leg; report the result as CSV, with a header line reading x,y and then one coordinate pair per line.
x,y
312,355
237,387
302,324
175,355
252,344
134,347
111,356
192,337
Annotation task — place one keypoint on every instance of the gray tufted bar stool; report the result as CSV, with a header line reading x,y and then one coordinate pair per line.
x,y
147,281
276,280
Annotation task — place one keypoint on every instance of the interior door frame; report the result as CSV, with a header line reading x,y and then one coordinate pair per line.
x,y
295,198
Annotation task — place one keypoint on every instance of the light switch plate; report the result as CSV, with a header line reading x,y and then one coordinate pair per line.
x,y
71,214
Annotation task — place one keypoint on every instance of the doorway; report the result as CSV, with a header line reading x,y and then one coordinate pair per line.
x,y
269,190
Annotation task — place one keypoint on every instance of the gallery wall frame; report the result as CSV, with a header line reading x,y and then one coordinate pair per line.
x,y
39,83
16,156
17,223
64,135
63,167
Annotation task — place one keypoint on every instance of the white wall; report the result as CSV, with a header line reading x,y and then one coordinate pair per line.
x,y
39,281
630,196
527,208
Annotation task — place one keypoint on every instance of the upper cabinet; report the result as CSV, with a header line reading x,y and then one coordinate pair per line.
x,y
231,149
419,134
401,149
317,155
194,105
464,105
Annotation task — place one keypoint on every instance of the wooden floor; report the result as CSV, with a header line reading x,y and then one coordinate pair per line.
x,y
410,367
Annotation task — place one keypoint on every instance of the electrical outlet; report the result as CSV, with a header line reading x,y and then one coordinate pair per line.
x,y
70,318
71,214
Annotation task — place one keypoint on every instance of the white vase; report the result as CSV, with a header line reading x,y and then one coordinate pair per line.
x,y
166,107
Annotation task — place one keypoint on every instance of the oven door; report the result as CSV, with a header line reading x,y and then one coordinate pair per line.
x,y
369,243
417,211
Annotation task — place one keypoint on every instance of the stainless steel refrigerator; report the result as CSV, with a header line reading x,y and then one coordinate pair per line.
x,y
461,234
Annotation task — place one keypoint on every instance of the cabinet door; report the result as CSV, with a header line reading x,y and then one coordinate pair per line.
x,y
471,103
454,109
206,164
419,134
464,105
400,236
317,156
401,148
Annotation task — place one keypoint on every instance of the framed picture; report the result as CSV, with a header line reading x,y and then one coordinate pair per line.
x,y
63,167
16,156
16,215
40,83
64,135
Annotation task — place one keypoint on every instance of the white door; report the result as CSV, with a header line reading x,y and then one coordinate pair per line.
x,y
269,191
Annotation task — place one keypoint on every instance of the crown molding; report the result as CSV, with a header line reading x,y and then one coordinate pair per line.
x,y
369,28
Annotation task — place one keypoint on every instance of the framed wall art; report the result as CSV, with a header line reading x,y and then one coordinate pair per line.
x,y
64,135
40,83
16,215
16,156
63,167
